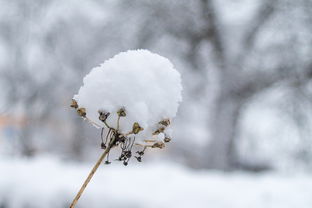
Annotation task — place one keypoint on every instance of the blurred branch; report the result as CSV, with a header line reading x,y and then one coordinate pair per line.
x,y
263,80
212,33
264,13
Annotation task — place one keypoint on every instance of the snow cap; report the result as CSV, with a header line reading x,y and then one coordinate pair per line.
x,y
144,84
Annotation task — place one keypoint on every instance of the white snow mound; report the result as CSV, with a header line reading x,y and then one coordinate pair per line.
x,y
144,83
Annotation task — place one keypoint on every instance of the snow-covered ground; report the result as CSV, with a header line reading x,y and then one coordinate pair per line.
x,y
48,182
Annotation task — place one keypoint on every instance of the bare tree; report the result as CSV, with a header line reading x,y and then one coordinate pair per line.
x,y
226,64
199,24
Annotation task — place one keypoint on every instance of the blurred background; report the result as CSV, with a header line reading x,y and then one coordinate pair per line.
x,y
242,136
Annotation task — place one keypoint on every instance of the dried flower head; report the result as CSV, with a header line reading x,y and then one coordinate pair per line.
x,y
103,115
82,112
159,145
121,112
128,79
167,139
136,128
74,104
158,131
165,122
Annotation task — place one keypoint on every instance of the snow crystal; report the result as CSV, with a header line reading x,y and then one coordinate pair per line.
x,y
145,84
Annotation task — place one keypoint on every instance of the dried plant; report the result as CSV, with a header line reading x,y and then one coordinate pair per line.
x,y
114,138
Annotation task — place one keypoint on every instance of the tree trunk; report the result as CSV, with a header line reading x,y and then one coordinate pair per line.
x,y
221,150
27,148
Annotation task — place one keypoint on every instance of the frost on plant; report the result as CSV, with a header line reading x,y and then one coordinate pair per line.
x,y
132,97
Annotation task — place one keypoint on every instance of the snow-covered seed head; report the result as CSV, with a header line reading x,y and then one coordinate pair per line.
x,y
82,112
146,84
74,104
148,88
136,128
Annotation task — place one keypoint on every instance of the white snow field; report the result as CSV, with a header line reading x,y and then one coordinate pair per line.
x,y
51,183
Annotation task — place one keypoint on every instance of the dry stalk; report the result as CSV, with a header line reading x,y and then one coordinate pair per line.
x,y
95,167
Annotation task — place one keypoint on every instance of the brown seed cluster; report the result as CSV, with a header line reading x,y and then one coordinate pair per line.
x,y
124,142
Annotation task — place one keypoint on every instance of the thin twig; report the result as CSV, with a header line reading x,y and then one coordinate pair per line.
x,y
97,164
107,125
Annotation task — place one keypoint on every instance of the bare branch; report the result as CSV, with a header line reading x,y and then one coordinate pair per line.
x,y
264,13
264,80
213,33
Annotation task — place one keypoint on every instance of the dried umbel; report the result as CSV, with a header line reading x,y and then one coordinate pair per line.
x,y
132,98
125,141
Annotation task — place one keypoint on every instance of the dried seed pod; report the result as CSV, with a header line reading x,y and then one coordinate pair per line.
x,y
103,146
165,122
121,112
103,115
121,138
140,153
158,131
159,145
74,104
139,159
167,139
136,128
128,154
82,112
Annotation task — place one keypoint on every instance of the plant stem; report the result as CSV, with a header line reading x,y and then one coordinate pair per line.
x,y
118,119
97,164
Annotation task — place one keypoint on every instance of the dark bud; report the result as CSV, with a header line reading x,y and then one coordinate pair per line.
x,y
103,146
128,154
139,159
81,112
74,104
140,153
122,157
121,138
167,139
103,115
121,112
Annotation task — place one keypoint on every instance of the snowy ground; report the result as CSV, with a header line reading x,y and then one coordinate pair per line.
x,y
51,183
